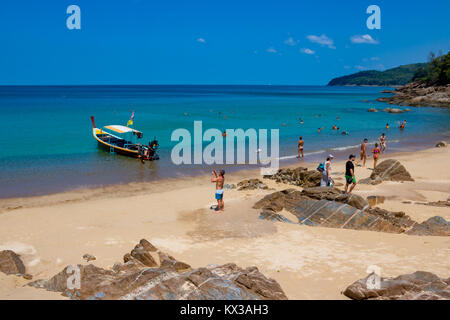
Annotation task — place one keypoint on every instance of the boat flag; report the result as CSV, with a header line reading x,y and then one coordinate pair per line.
x,y
130,122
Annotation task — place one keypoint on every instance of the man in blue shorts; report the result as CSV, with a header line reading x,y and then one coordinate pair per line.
x,y
219,179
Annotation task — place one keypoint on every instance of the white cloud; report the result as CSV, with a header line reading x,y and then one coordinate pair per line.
x,y
290,41
365,38
360,67
375,59
201,40
307,51
322,40
271,50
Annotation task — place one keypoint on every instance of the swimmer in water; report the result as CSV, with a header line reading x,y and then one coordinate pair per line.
x,y
387,126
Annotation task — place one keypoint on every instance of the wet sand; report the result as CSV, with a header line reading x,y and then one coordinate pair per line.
x,y
53,231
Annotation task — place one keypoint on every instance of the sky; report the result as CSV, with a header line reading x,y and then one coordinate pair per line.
x,y
278,42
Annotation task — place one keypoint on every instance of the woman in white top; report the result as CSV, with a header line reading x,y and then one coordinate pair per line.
x,y
326,174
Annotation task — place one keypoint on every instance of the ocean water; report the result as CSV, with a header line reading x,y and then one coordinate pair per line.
x,y
47,143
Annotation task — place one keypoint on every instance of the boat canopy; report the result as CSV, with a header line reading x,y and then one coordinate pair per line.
x,y
120,129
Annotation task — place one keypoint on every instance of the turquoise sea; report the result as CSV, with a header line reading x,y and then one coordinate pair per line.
x,y
47,143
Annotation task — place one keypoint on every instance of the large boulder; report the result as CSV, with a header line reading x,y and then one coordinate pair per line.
x,y
10,263
169,280
441,144
300,176
435,226
390,170
419,285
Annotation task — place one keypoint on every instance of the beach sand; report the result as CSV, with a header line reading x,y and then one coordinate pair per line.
x,y
50,232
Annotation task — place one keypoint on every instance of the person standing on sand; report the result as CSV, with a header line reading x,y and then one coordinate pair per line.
x,y
350,174
300,147
363,152
326,173
219,179
376,153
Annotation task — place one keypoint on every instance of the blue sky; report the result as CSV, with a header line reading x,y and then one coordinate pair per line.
x,y
213,42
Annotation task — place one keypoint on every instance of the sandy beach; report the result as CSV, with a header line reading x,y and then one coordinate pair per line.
x,y
50,232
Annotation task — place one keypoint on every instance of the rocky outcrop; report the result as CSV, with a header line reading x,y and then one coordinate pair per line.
x,y
441,144
328,207
169,279
334,194
417,94
388,170
393,110
89,257
372,110
314,209
419,285
251,184
435,226
10,263
300,176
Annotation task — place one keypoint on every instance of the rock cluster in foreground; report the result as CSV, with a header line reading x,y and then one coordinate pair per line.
x,y
417,94
148,273
419,285
329,207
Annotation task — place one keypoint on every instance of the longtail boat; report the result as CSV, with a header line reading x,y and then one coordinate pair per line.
x,y
123,140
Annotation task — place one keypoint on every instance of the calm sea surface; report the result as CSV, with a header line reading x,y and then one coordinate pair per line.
x,y
47,143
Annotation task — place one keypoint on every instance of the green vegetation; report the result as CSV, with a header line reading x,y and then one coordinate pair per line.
x,y
435,72
391,77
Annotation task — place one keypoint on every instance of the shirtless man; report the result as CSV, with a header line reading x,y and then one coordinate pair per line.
x,y
363,152
219,180
300,147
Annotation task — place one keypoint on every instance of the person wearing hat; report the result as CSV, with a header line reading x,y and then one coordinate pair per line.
x,y
350,174
326,174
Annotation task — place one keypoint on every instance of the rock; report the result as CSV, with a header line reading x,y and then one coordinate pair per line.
x,y
88,257
142,255
374,200
27,276
273,216
229,186
251,184
419,285
394,110
372,110
300,176
167,282
441,144
435,226
390,170
313,208
10,263
407,110
440,203
334,194
418,94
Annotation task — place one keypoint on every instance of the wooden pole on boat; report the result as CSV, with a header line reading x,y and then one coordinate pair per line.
x,y
93,121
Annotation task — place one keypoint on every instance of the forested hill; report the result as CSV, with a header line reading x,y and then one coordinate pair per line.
x,y
392,77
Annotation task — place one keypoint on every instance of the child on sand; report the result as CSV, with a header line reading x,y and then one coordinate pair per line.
x,y
376,153
300,147
363,152
219,179
350,174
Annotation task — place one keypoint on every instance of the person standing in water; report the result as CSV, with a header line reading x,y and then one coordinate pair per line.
x,y
350,174
376,153
300,147
363,152
382,140
326,173
219,179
